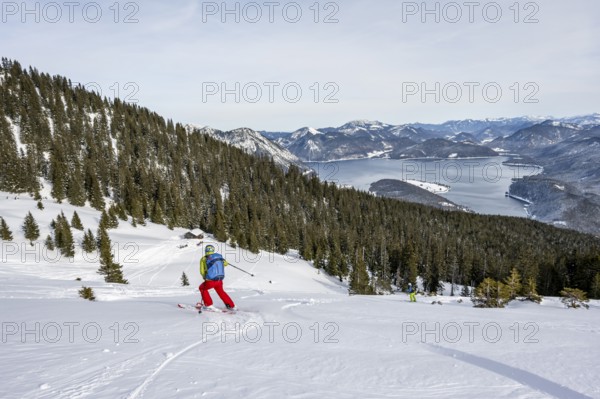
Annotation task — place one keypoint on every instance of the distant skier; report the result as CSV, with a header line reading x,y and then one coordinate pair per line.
x,y
212,269
411,292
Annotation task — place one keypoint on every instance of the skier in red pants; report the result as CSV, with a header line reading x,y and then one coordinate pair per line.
x,y
212,269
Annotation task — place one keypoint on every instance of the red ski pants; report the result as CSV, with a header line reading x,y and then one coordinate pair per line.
x,y
218,286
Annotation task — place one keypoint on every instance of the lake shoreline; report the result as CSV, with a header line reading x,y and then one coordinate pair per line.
x,y
479,183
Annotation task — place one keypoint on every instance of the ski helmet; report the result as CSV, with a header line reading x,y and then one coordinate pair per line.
x,y
209,249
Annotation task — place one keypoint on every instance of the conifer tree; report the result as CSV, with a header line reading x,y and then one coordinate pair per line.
x,y
111,270
137,211
95,194
120,211
466,291
75,187
87,293
49,243
184,280
31,228
68,245
409,262
58,172
491,294
76,222
157,214
253,243
595,290
333,262
513,284
5,233
89,242
574,298
113,217
108,220
219,229
58,226
63,237
530,291
359,278
10,163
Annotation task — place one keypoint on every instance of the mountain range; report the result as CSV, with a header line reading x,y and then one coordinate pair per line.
x,y
374,139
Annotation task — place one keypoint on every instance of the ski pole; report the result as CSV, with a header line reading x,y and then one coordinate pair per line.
x,y
242,270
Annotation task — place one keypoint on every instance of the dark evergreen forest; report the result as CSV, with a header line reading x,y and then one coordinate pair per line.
x,y
96,150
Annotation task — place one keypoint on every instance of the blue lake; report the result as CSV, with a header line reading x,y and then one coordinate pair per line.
x,y
479,183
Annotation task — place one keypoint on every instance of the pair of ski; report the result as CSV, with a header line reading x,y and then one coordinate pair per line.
x,y
199,308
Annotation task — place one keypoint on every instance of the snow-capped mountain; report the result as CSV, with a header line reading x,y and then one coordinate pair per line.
x,y
483,129
253,143
373,139
537,136
584,120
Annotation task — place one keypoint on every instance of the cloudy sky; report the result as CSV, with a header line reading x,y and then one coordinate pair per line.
x,y
283,65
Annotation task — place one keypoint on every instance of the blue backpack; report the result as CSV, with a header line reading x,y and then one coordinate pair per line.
x,y
215,267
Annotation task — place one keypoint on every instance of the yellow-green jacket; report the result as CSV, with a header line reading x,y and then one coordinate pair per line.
x,y
204,269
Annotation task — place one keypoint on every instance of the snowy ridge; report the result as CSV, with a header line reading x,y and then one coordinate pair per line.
x,y
252,143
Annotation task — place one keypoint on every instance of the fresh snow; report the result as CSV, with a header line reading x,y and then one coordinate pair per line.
x,y
435,188
297,333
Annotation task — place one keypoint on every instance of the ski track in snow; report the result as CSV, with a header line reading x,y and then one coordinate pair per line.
x,y
523,377
142,387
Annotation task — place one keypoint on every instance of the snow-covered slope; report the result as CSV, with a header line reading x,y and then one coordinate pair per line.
x,y
253,143
297,333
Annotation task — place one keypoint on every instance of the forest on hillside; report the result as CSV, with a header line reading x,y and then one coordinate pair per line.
x,y
106,152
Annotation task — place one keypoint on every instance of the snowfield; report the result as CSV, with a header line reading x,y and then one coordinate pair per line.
x,y
297,333
435,188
